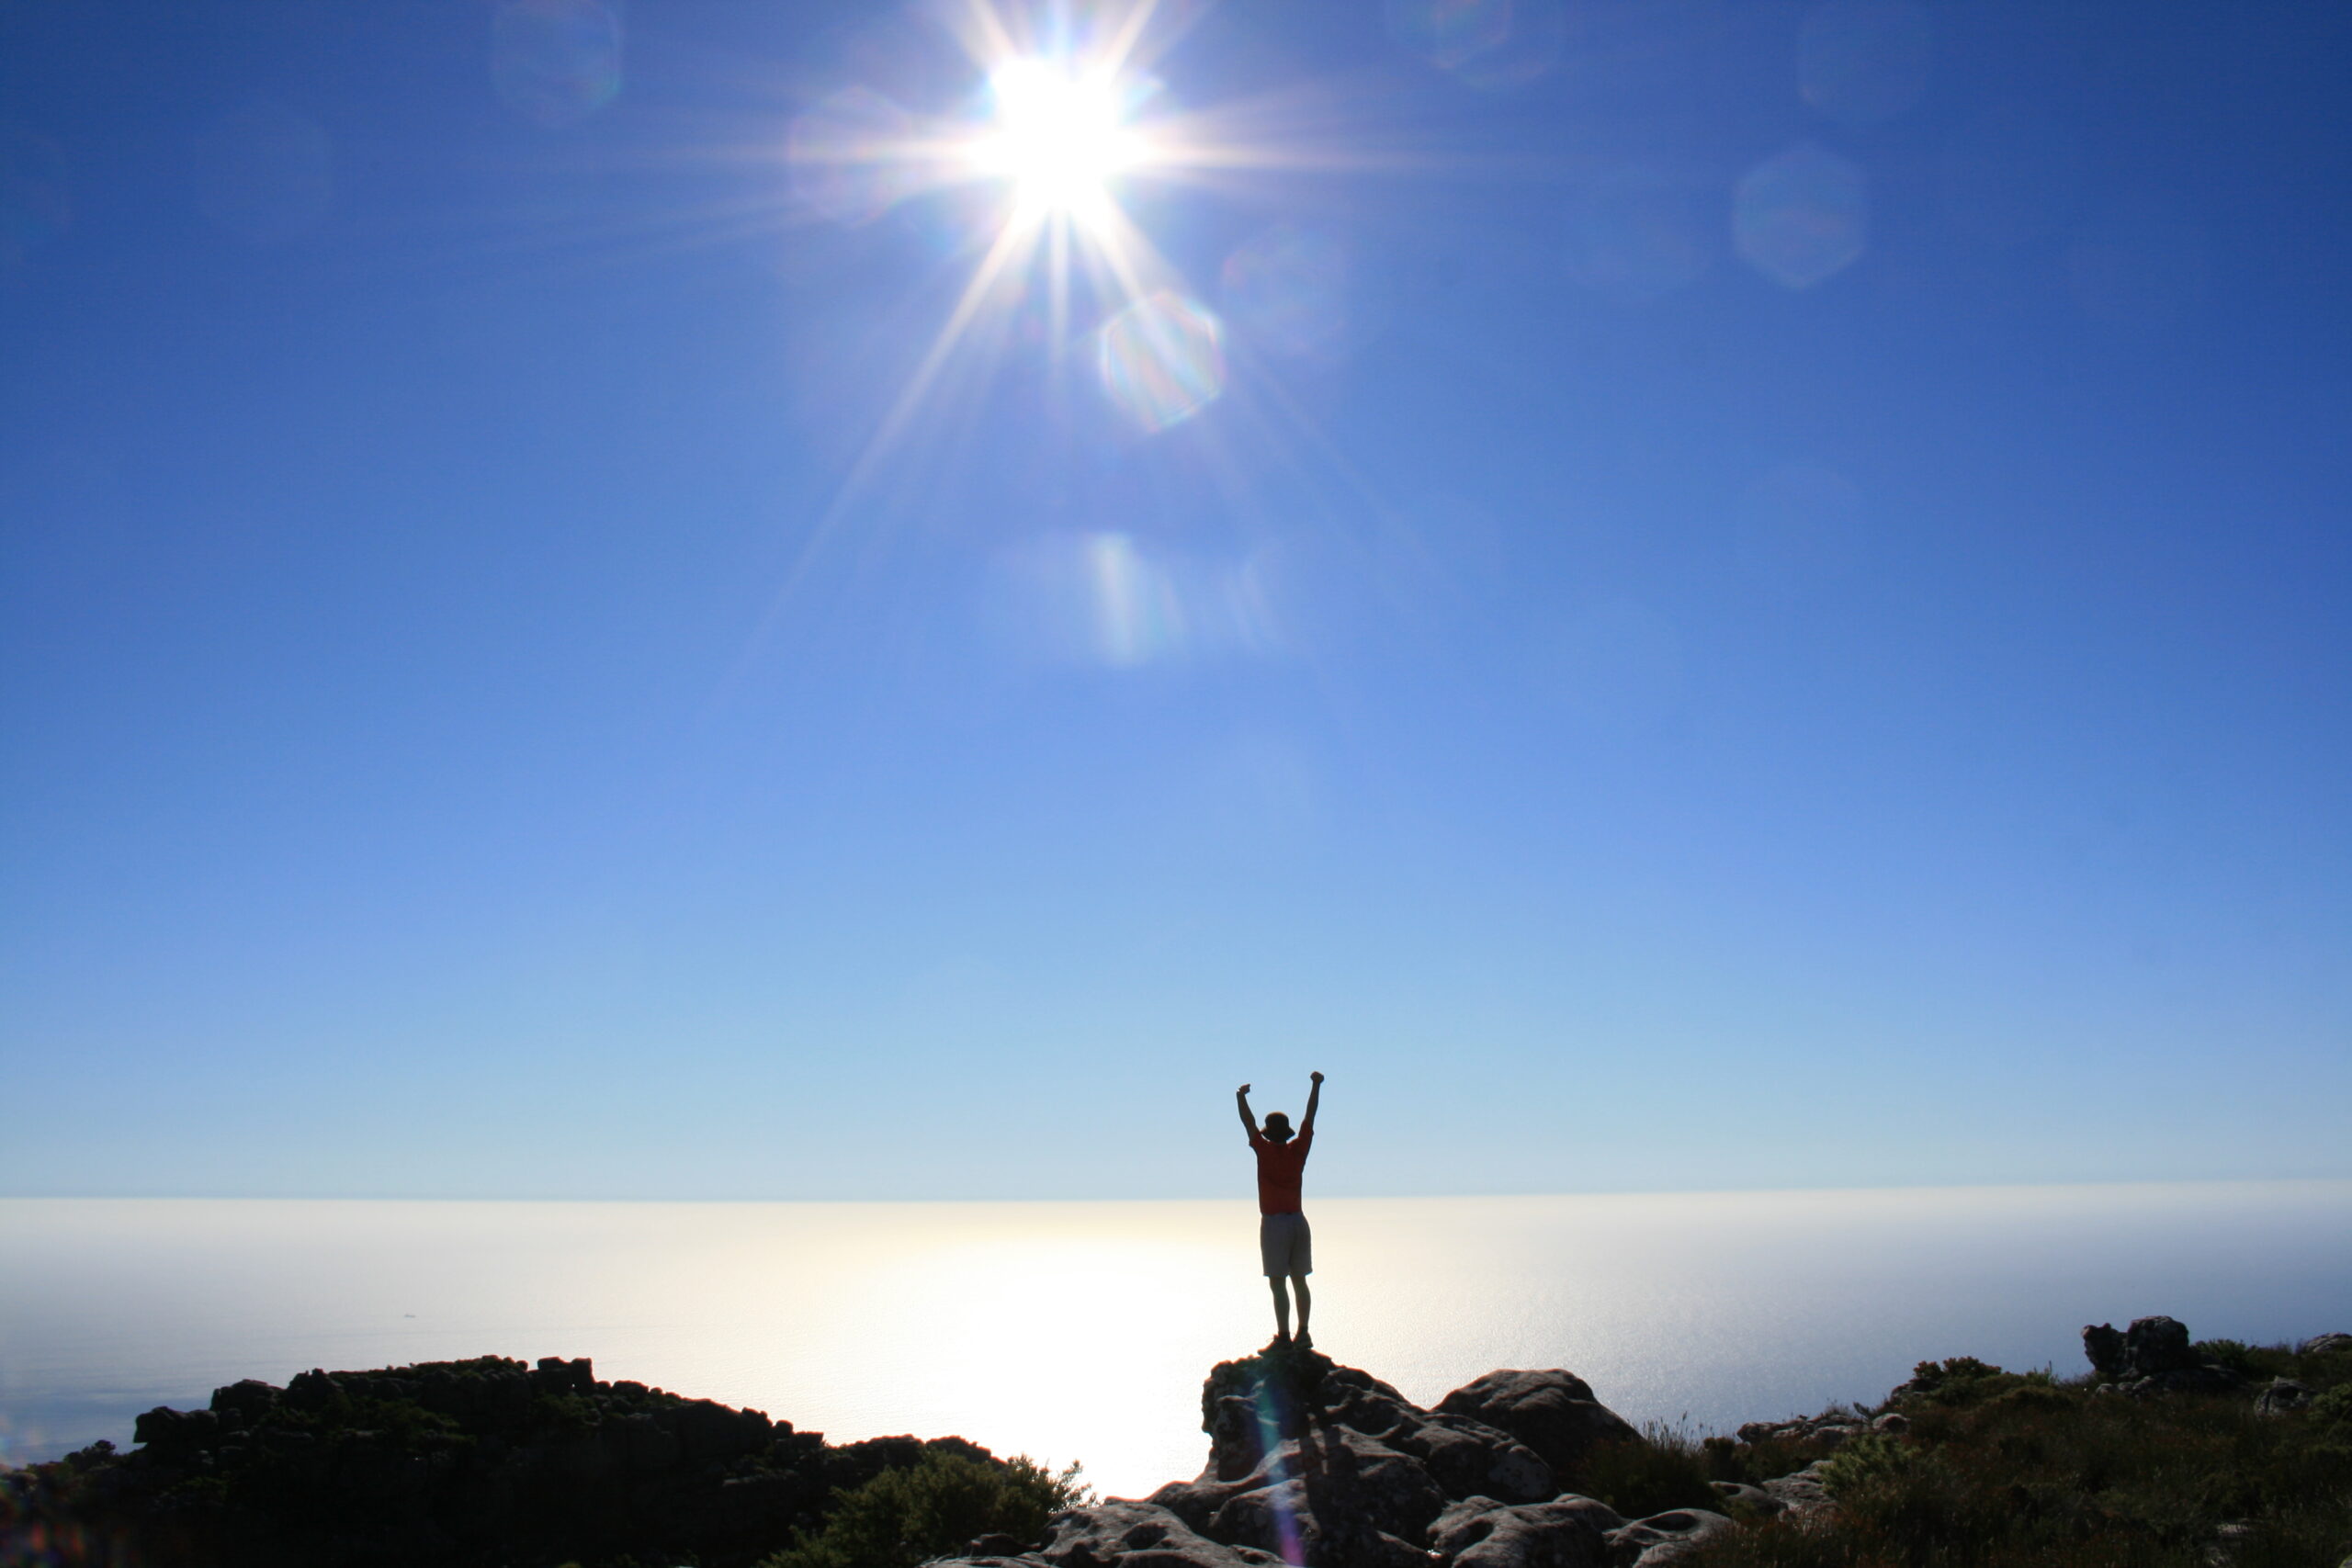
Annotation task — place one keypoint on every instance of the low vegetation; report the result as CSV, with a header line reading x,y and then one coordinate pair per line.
x,y
935,1507
2004,1470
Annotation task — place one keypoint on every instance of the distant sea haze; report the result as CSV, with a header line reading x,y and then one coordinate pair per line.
x,y
1081,1331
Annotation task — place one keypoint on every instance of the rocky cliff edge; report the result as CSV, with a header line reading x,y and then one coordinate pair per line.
x,y
1315,1463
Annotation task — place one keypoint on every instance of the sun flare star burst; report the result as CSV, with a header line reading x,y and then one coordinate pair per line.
x,y
1066,120
1060,137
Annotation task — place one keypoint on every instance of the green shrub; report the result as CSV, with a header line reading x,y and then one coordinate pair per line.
x,y
2334,1408
2235,1355
1665,1469
1960,1380
1865,1462
934,1506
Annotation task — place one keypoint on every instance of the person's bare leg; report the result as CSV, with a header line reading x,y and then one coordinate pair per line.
x,y
1282,1307
1305,1303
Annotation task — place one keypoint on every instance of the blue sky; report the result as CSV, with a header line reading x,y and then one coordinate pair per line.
x,y
1754,595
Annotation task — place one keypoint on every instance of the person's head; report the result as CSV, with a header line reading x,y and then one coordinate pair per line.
x,y
1277,1127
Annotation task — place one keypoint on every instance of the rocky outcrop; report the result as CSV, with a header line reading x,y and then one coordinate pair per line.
x,y
1554,1413
1314,1464
1664,1538
480,1463
2282,1395
2153,1355
1800,1492
1479,1532
494,1464
1828,1429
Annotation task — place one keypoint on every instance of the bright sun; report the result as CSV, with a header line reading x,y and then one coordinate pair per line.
x,y
1059,138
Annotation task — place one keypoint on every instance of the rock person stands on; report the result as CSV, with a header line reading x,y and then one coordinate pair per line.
x,y
1285,1244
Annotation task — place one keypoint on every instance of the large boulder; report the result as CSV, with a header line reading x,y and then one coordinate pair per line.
x,y
1122,1534
1323,1464
1480,1532
1801,1493
1470,1459
2282,1395
2156,1345
1252,1405
1466,1458
2326,1343
1554,1413
2103,1347
1334,1495
2150,1347
1664,1538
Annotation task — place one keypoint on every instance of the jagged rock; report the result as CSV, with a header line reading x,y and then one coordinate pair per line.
x,y
2157,1344
175,1432
1325,1465
1137,1535
1466,1458
2153,1355
2326,1343
1339,1496
1740,1497
1554,1413
1470,1459
2104,1348
1834,1425
1479,1532
1892,1423
2151,1347
1664,1538
557,1375
245,1402
1802,1492
1250,1405
2282,1395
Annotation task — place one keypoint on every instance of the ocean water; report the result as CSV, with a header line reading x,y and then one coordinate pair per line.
x,y
1081,1331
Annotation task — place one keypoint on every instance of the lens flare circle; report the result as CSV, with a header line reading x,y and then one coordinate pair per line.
x,y
1163,359
1060,137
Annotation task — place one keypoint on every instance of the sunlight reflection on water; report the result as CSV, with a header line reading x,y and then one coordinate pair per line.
x,y
1082,1330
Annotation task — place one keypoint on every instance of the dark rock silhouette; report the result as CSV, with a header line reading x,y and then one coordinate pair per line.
x,y
490,1463
1314,1464
2153,1355
1554,1413
465,1463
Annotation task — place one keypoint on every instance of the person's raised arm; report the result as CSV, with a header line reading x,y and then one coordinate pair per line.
x,y
1313,1095
1241,1103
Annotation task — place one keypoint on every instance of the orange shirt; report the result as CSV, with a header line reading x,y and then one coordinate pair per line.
x,y
1280,1166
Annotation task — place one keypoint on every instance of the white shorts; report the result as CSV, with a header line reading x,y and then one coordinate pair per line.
x,y
1285,1244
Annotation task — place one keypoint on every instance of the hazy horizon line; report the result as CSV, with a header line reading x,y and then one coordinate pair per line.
x,y
1238,1198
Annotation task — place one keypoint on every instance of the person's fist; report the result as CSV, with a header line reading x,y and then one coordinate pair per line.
x,y
1244,1089
1317,1076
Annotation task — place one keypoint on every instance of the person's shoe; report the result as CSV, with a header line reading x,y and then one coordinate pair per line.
x,y
1305,1341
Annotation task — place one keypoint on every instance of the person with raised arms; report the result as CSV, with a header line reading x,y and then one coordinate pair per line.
x,y
1285,1244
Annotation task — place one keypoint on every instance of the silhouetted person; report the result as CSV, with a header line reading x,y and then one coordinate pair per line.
x,y
1285,1244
